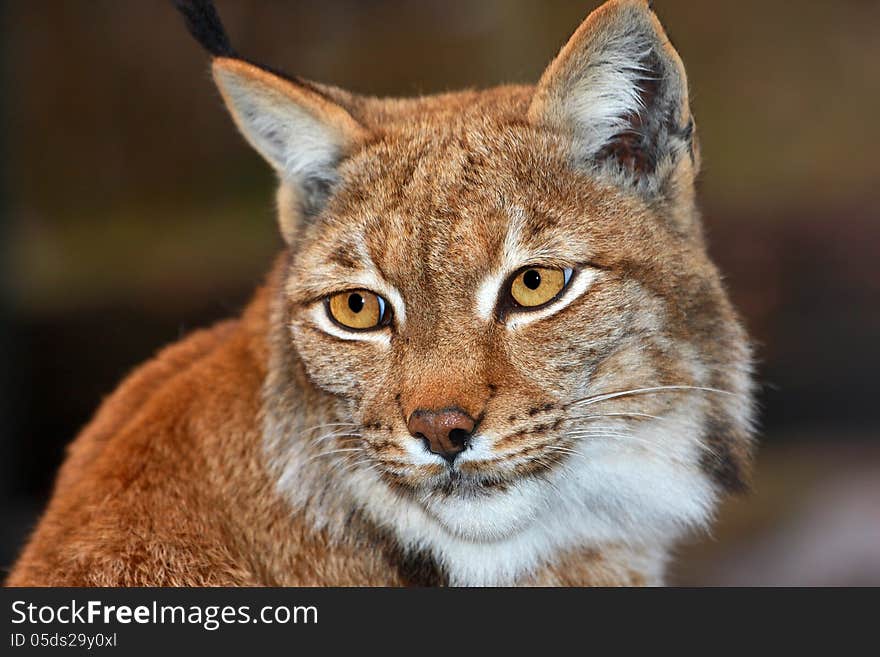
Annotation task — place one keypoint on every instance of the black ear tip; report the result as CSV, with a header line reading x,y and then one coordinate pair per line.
x,y
204,24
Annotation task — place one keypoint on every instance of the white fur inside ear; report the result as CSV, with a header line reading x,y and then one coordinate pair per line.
x,y
291,138
602,102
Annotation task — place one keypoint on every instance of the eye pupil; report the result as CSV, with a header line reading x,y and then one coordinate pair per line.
x,y
532,279
355,302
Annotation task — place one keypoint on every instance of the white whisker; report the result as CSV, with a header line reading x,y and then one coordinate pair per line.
x,y
326,426
336,434
332,452
641,391
584,433
599,416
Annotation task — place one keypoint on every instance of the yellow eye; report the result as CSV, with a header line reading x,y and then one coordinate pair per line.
x,y
359,310
535,286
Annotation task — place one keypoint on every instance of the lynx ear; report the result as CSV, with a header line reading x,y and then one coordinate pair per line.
x,y
618,88
294,125
297,129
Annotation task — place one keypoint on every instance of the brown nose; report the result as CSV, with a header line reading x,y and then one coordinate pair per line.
x,y
445,432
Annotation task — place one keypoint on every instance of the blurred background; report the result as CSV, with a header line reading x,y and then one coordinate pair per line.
x,y
131,212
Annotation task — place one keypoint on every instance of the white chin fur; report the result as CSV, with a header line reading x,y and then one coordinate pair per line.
x,y
606,495
489,517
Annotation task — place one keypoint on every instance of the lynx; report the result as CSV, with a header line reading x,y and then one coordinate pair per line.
x,y
494,350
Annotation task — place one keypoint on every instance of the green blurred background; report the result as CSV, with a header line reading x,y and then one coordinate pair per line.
x,y
132,212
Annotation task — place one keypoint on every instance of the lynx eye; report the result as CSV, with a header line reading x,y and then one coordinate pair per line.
x,y
535,286
359,310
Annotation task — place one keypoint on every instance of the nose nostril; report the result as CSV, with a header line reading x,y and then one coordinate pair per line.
x,y
459,437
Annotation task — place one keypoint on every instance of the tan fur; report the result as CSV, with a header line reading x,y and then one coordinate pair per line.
x,y
205,467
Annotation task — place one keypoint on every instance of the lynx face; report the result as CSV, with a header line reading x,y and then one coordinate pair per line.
x,y
506,295
442,245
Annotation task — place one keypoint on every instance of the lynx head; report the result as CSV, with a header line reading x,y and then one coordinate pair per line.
x,y
504,296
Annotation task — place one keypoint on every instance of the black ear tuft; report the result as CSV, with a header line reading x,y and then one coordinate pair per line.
x,y
204,24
